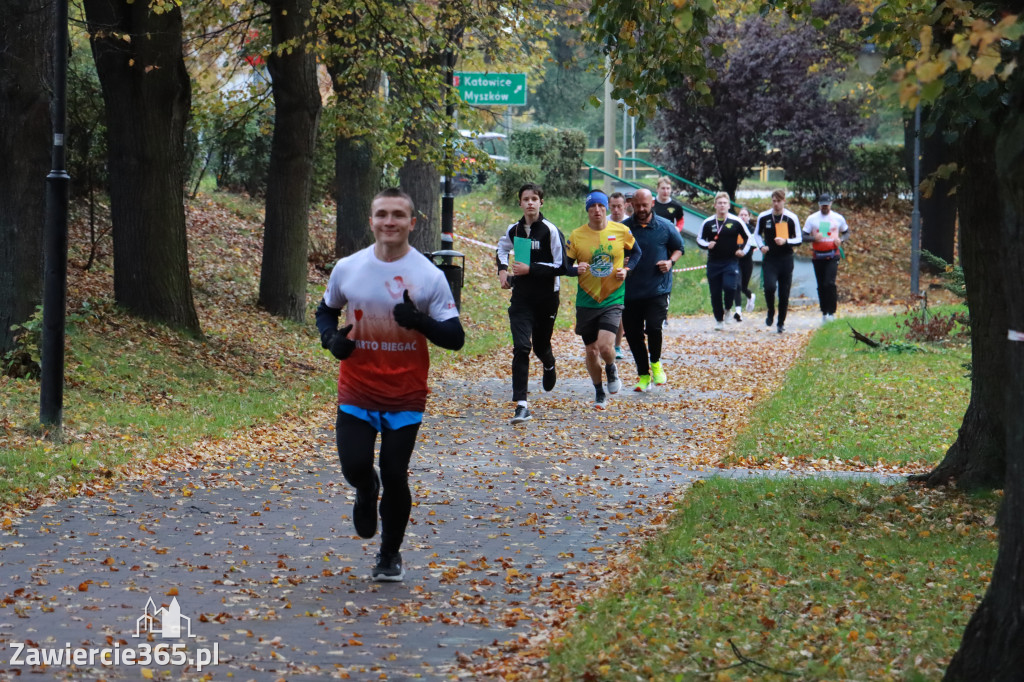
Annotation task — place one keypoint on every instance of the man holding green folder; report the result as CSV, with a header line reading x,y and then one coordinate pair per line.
x,y
827,231
537,250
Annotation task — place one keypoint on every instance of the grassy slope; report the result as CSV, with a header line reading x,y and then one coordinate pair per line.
x,y
819,579
136,391
831,578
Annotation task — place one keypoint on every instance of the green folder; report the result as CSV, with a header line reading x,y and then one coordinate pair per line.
x,y
521,247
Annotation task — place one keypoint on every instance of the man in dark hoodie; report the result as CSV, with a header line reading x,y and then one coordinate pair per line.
x,y
537,248
648,288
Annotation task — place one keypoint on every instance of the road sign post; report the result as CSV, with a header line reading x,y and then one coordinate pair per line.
x,y
502,89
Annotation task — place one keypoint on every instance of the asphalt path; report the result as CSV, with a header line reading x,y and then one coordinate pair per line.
x,y
262,561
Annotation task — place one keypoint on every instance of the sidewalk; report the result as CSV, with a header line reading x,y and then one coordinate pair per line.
x,y
509,524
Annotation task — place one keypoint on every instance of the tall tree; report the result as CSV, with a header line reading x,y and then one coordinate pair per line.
x,y
992,647
292,66
357,165
26,37
769,90
146,89
977,458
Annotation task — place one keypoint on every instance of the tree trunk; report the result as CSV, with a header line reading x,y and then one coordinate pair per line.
x,y
421,181
977,459
26,37
147,93
992,647
357,168
290,177
358,176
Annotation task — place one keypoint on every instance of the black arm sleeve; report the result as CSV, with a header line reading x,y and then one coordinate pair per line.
x,y
447,334
326,320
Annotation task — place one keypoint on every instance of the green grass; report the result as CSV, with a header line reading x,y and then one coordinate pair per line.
x,y
829,578
134,391
824,579
849,402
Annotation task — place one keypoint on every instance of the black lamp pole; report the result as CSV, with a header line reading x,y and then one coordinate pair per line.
x,y
448,200
915,215
55,239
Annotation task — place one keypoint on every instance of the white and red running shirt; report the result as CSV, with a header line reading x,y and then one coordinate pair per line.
x,y
388,369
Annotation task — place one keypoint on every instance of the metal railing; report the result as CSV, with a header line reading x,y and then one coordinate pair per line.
x,y
590,177
661,170
664,171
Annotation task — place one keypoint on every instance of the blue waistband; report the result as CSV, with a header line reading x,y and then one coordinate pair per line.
x,y
390,420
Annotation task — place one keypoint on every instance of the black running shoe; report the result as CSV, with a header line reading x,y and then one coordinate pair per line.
x,y
782,328
549,378
769,318
389,568
521,415
364,511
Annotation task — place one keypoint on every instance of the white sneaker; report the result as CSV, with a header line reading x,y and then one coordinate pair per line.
x,y
830,317
719,326
750,303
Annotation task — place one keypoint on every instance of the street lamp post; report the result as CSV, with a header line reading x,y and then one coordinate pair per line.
x,y
448,200
55,240
915,214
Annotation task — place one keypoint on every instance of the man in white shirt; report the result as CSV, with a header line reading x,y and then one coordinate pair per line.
x,y
396,301
827,230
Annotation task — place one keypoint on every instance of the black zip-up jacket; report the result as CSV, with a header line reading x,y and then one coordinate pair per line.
x,y
730,235
547,257
767,230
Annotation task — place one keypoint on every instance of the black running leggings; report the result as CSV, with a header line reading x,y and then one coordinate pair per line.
x,y
356,439
746,270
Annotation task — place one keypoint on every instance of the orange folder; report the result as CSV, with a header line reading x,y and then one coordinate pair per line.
x,y
782,229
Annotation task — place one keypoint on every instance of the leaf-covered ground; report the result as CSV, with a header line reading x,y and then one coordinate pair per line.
x,y
512,529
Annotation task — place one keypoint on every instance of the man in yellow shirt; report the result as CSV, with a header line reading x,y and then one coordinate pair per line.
x,y
604,252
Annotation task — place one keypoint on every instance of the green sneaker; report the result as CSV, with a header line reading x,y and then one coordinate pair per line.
x,y
658,374
644,384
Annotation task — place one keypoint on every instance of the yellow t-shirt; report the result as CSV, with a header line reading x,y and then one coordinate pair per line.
x,y
604,250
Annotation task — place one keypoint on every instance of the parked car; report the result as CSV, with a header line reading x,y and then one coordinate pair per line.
x,y
470,170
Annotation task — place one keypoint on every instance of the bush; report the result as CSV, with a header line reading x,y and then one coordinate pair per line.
x,y
866,174
558,154
874,173
512,176
242,154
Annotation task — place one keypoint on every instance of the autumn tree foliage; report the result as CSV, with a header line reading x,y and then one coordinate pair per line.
x,y
770,90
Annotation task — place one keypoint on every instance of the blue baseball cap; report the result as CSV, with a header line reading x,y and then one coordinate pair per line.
x,y
597,197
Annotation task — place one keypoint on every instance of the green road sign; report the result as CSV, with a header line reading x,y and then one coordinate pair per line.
x,y
492,88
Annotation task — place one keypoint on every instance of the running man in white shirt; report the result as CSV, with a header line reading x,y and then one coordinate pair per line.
x,y
396,301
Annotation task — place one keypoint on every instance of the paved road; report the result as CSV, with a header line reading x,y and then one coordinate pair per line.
x,y
262,559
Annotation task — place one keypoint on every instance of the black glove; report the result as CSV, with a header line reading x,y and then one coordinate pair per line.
x,y
407,315
340,345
